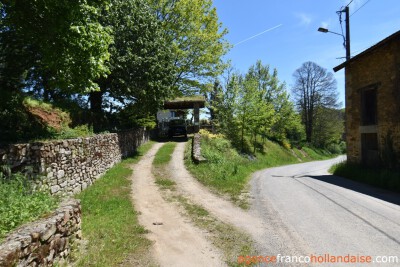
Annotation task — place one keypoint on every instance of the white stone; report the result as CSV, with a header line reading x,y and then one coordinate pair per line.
x,y
84,186
54,189
60,174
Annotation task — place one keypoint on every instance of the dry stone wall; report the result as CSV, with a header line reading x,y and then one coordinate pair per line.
x,y
69,166
44,242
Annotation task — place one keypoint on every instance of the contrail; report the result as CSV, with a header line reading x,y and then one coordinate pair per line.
x,y
258,34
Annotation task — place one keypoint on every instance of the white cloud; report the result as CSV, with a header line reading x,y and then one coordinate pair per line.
x,y
325,24
305,19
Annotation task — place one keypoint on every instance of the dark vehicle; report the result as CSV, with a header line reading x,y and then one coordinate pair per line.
x,y
177,127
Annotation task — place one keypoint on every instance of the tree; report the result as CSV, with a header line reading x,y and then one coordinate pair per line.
x,y
314,91
329,127
283,121
49,48
141,70
254,105
195,35
60,43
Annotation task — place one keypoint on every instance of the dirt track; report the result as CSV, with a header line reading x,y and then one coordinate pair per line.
x,y
176,241
271,237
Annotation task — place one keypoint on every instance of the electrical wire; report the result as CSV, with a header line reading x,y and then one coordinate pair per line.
x,y
360,7
350,2
341,25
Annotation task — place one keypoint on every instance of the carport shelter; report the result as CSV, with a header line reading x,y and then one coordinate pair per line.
x,y
194,103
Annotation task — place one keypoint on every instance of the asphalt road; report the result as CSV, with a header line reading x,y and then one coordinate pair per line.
x,y
323,214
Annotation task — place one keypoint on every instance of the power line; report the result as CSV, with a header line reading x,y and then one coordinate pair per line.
x,y
350,2
360,7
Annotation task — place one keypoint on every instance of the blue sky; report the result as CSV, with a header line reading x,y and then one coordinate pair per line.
x,y
295,38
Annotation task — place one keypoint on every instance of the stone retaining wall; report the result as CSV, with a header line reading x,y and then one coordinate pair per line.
x,y
69,166
46,241
196,150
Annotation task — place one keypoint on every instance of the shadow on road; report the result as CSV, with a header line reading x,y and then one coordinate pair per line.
x,y
375,192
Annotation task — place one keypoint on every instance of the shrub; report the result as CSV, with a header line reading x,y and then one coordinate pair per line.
x,y
19,204
337,148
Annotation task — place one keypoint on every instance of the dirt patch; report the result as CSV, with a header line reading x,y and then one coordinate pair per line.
x,y
176,241
51,117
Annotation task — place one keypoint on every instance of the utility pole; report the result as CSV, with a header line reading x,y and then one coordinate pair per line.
x,y
346,38
346,10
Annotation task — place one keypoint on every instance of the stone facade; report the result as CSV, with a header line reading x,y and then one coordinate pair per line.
x,y
69,166
373,103
44,242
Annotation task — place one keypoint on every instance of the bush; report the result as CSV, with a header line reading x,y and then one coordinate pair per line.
x,y
337,148
78,131
19,204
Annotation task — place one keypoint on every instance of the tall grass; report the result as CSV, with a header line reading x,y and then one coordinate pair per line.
x,y
19,204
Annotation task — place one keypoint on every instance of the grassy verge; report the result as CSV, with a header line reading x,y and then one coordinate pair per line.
x,y
109,221
229,240
227,172
385,179
19,205
160,162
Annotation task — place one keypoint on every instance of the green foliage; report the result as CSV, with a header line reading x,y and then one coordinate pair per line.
x,y
382,178
141,68
109,222
141,65
227,172
19,204
337,148
15,121
256,105
61,43
78,131
36,120
114,53
196,38
328,127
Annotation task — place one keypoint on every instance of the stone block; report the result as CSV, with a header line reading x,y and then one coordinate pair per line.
x,y
60,174
55,189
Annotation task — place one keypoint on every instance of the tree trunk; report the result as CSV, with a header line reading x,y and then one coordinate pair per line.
x,y
96,100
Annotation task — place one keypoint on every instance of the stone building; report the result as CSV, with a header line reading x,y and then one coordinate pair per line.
x,y
373,104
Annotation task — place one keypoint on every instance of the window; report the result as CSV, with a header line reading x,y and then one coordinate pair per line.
x,y
368,107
